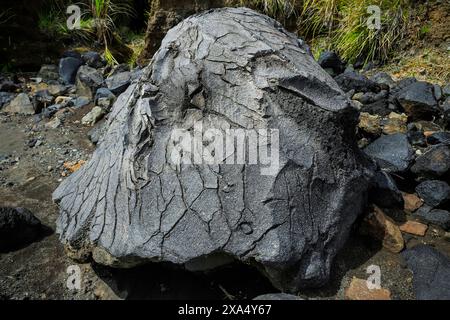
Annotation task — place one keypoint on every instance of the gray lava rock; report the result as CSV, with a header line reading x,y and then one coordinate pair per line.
x,y
41,100
418,100
132,204
434,192
353,80
18,227
330,61
431,271
393,153
97,132
79,102
119,82
93,59
68,68
383,79
104,93
88,81
434,163
384,192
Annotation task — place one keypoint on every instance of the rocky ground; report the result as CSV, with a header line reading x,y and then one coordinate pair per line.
x,y
49,125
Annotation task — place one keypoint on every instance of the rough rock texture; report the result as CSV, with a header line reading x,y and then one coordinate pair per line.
x,y
431,271
229,68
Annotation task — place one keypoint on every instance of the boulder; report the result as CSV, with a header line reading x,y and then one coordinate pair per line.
x,y
104,93
18,227
20,105
431,271
438,138
68,68
393,153
41,100
141,198
418,100
434,163
434,192
383,79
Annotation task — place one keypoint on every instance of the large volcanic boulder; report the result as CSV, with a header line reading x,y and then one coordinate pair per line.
x,y
226,69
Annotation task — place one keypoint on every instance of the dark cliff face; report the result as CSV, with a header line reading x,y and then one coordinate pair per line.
x,y
22,45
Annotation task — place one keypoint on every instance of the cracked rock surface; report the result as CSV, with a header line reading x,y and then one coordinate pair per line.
x,y
230,69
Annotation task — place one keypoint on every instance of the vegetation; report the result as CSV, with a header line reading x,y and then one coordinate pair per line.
x,y
279,9
344,22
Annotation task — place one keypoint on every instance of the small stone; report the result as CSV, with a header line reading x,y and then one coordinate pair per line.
x,y
54,123
418,100
438,138
436,217
93,117
384,229
119,82
359,290
370,123
74,166
412,202
414,227
396,123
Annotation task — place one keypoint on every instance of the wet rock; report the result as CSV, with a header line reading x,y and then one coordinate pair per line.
x,y
20,105
412,202
5,98
438,138
68,68
49,72
353,80
418,100
393,153
18,227
431,271
119,82
414,228
139,206
434,163
434,192
276,297
93,59
359,290
384,192
331,62
395,123
437,217
95,115
370,123
88,81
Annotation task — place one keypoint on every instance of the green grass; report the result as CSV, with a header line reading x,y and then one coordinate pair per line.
x,y
344,22
278,9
